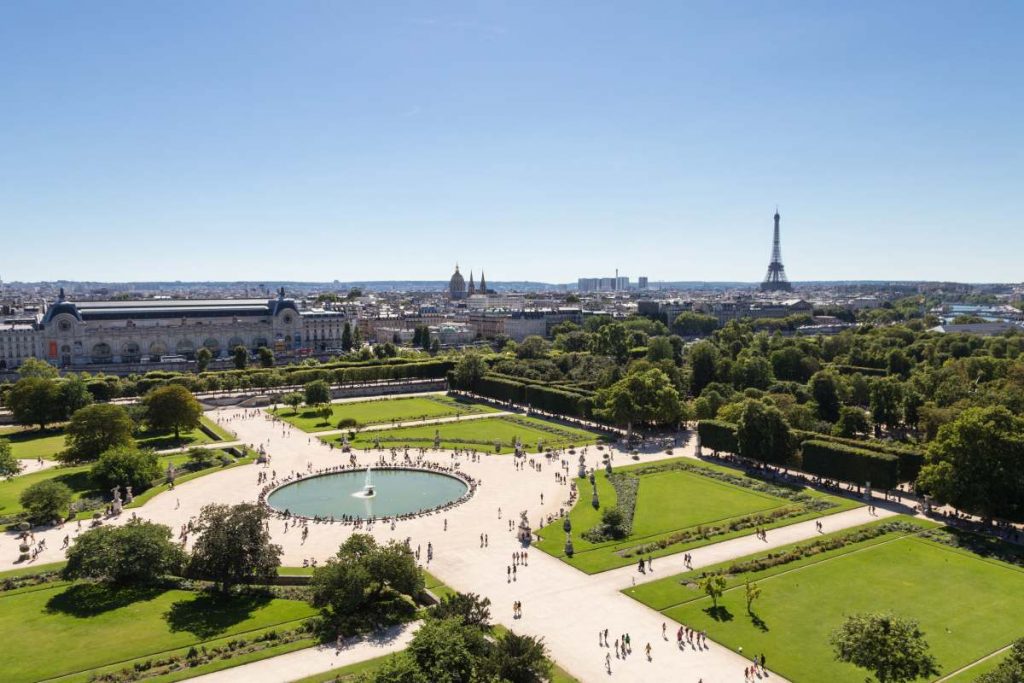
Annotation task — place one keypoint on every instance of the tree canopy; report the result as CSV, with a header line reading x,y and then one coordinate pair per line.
x,y
890,647
233,546
94,429
172,407
136,553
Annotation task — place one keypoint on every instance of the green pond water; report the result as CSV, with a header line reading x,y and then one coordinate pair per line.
x,y
396,492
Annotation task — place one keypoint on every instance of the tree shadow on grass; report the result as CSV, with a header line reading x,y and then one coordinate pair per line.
x,y
720,613
759,623
209,615
85,600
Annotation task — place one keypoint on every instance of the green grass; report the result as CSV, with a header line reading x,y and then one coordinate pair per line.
x,y
94,626
382,411
32,569
667,502
29,444
81,485
477,434
967,606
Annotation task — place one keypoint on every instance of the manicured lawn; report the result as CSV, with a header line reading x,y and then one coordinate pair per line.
x,y
30,444
382,411
91,626
667,503
477,434
968,606
78,480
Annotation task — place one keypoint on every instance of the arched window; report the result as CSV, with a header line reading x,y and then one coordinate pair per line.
x,y
102,353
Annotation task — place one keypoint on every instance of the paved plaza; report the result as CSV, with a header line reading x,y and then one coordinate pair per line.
x,y
563,605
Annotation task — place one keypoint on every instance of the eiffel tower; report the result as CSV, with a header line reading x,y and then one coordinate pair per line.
x,y
775,280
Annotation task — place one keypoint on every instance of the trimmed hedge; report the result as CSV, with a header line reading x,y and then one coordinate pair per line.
x,y
846,463
717,435
540,396
911,459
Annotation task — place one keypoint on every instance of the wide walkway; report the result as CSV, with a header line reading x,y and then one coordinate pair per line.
x,y
314,660
561,604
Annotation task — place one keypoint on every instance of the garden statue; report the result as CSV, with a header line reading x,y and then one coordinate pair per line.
x,y
116,505
170,473
583,466
699,452
128,497
525,533
437,439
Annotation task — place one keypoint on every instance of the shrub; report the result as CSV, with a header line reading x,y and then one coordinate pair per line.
x,y
46,501
846,463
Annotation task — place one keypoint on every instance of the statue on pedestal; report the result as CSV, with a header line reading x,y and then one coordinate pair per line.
x,y
128,497
170,473
437,439
583,466
116,506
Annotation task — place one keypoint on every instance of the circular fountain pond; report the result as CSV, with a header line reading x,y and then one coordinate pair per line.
x,y
363,494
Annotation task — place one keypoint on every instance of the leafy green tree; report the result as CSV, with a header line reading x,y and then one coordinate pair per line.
x,y
293,399
425,338
790,364
468,371
532,347
825,392
763,434
1010,670
886,400
203,358
240,357
647,396
575,341
35,400
366,585
852,422
9,465
137,553
752,371
712,585
435,345
126,465
346,337
95,429
660,349
469,608
400,668
266,357
752,592
613,522
233,546
976,463
612,340
445,651
40,369
703,358
518,659
172,407
892,648
691,324
317,392
74,394
46,501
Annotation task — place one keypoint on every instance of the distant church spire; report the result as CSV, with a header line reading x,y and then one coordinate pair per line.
x,y
472,287
483,283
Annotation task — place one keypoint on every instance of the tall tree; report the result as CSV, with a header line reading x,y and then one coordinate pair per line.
x,y
763,434
137,553
34,367
317,392
976,463
886,401
35,400
233,546
346,337
266,357
172,407
646,396
46,501
240,356
95,429
518,659
126,466
892,648
825,392
74,394
203,358
468,371
703,360
9,465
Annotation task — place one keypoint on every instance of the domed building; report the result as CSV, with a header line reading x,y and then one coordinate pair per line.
x,y
457,285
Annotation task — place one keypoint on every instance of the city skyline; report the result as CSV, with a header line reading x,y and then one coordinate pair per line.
x,y
576,141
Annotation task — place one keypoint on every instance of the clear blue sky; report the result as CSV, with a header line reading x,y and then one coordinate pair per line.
x,y
538,140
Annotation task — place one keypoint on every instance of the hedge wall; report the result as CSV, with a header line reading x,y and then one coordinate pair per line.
x,y
846,463
540,396
911,459
717,435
